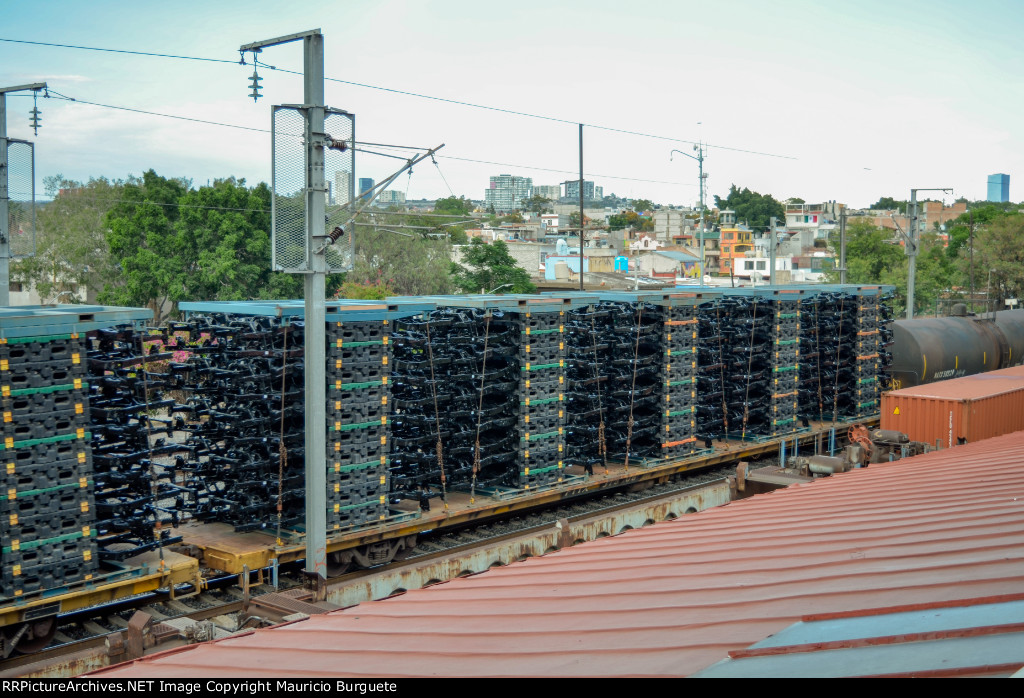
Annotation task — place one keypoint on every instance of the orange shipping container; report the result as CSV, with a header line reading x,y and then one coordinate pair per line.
x,y
961,410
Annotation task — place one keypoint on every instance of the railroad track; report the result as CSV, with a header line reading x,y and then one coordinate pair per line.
x,y
89,631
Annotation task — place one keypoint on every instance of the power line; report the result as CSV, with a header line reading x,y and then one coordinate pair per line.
x,y
117,50
153,113
503,110
551,118
58,95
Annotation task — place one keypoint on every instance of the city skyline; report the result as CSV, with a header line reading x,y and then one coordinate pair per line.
x,y
796,99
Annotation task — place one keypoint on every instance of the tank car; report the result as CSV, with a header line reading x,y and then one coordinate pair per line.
x,y
932,349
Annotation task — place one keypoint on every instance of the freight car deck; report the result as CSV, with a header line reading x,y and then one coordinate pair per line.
x,y
137,575
219,547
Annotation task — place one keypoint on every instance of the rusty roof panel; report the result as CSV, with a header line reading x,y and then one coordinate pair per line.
x,y
676,597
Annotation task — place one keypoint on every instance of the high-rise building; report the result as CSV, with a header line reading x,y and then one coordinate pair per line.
x,y
508,192
552,191
365,185
999,187
342,188
391,196
572,190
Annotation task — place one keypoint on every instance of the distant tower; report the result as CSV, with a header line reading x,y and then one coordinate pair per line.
x,y
365,185
999,187
342,188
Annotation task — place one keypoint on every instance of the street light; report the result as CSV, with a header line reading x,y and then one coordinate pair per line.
x,y
497,289
699,157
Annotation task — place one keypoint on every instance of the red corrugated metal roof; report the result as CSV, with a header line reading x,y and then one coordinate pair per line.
x,y
675,597
971,387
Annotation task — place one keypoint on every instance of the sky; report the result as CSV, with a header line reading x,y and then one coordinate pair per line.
x,y
817,100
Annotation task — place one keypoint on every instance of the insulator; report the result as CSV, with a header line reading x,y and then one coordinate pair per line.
x,y
34,120
335,234
254,84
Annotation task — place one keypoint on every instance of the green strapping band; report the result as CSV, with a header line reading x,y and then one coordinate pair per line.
x,y
534,437
679,414
789,315
783,369
783,421
539,367
544,401
360,386
867,380
32,493
360,344
539,470
49,440
533,332
49,389
691,381
367,503
7,549
361,425
42,338
783,342
358,466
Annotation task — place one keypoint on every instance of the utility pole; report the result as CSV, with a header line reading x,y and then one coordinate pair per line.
x,y
972,258
912,245
5,219
314,285
772,242
581,207
699,157
842,246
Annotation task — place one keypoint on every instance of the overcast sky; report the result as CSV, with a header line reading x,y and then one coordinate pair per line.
x,y
846,101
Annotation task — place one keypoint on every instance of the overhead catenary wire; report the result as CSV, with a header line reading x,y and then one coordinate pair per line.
x,y
355,144
503,110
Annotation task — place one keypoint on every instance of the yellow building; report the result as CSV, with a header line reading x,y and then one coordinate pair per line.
x,y
735,243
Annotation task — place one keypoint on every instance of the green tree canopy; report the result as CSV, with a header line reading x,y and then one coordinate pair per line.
x,y
402,262
486,267
173,244
873,257
998,247
71,246
538,204
642,205
888,203
453,205
756,210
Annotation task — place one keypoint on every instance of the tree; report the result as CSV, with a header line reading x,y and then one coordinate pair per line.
x,y
870,253
997,247
538,204
887,203
641,205
626,219
873,258
403,263
756,210
176,244
486,267
71,248
455,206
